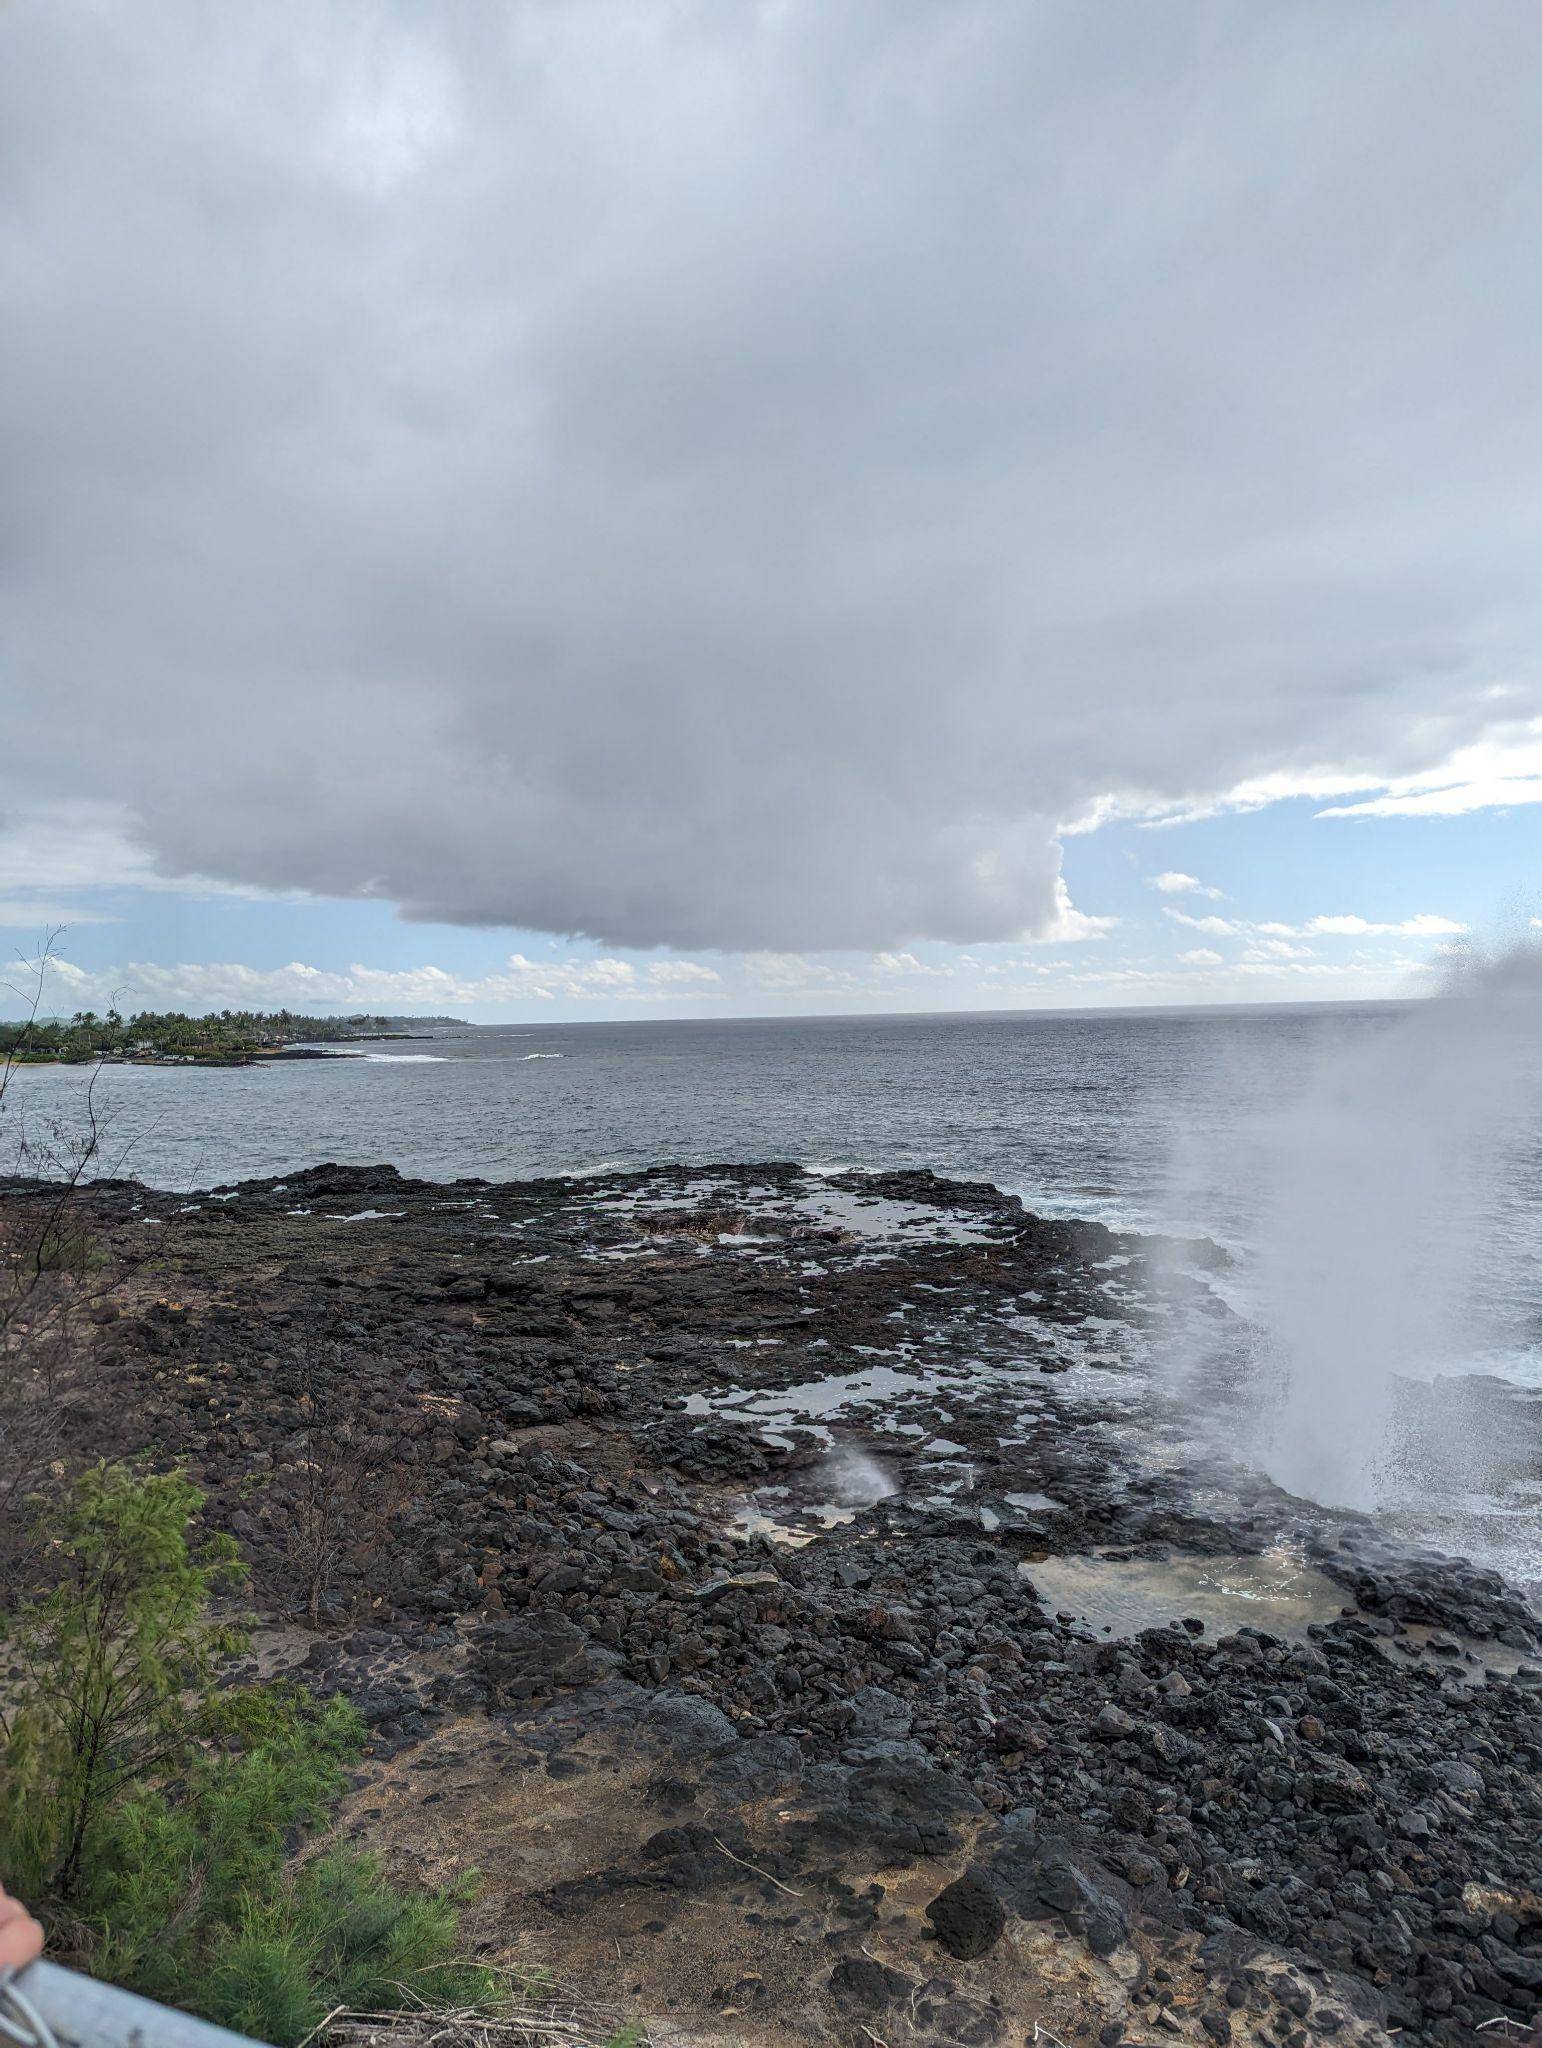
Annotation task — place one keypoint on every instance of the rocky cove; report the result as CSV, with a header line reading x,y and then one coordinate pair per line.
x,y
800,1599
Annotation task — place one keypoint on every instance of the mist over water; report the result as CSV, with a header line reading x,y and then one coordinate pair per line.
x,y
1387,1233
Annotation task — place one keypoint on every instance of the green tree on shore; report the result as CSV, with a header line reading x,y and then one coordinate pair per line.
x,y
108,1654
224,1034
153,1813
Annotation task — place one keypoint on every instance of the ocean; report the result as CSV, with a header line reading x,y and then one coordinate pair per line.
x,y
1080,1114
1375,1171
1156,1120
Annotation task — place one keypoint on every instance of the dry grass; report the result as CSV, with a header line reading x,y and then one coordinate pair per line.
x,y
544,2020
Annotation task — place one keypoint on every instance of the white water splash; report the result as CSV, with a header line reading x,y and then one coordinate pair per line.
x,y
1381,1241
855,1480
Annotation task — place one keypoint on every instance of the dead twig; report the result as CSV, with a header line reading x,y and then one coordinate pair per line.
x,y
757,1871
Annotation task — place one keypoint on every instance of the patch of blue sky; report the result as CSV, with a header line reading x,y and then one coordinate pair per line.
x,y
1280,865
1285,863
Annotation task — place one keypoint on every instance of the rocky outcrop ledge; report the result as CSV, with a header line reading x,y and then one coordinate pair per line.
x,y
686,1580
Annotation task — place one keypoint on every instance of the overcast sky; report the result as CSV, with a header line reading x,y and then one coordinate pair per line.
x,y
817,502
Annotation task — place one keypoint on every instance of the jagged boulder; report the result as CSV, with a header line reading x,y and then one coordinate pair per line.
x,y
530,1656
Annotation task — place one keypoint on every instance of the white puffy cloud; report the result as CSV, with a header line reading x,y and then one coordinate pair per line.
x,y
745,477
1491,774
1452,801
1426,924
1066,925
1200,956
1277,949
1172,882
216,985
682,973
847,978
1497,771
907,963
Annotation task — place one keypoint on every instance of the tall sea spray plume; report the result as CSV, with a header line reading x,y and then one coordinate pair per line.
x,y
1387,1219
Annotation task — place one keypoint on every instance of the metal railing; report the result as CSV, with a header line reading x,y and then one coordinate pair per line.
x,y
43,2006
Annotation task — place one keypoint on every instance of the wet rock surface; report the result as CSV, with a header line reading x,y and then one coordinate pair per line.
x,y
725,1486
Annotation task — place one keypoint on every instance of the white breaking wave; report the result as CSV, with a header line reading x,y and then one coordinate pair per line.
x,y
543,1055
405,1059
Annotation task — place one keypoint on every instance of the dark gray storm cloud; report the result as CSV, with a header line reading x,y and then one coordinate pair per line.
x,y
730,474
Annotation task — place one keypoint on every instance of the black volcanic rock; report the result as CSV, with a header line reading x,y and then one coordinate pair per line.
x,y
598,1441
526,1658
967,1917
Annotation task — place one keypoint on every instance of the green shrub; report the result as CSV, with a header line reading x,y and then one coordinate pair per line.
x,y
334,1934
110,1652
169,1816
201,1905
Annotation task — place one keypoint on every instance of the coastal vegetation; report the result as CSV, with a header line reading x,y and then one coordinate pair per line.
x,y
153,1813
219,1038
174,1827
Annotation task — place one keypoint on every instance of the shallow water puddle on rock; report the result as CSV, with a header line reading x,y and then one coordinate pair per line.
x,y
753,1521
1276,1591
881,1218
832,1492
811,1398
888,1225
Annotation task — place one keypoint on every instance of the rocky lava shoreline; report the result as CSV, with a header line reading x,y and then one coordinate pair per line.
x,y
676,1534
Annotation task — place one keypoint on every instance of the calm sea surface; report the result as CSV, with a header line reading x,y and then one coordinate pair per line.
x,y
1149,1120
1077,1113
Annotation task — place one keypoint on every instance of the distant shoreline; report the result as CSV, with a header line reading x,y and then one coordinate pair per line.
x,y
263,1058
246,1056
